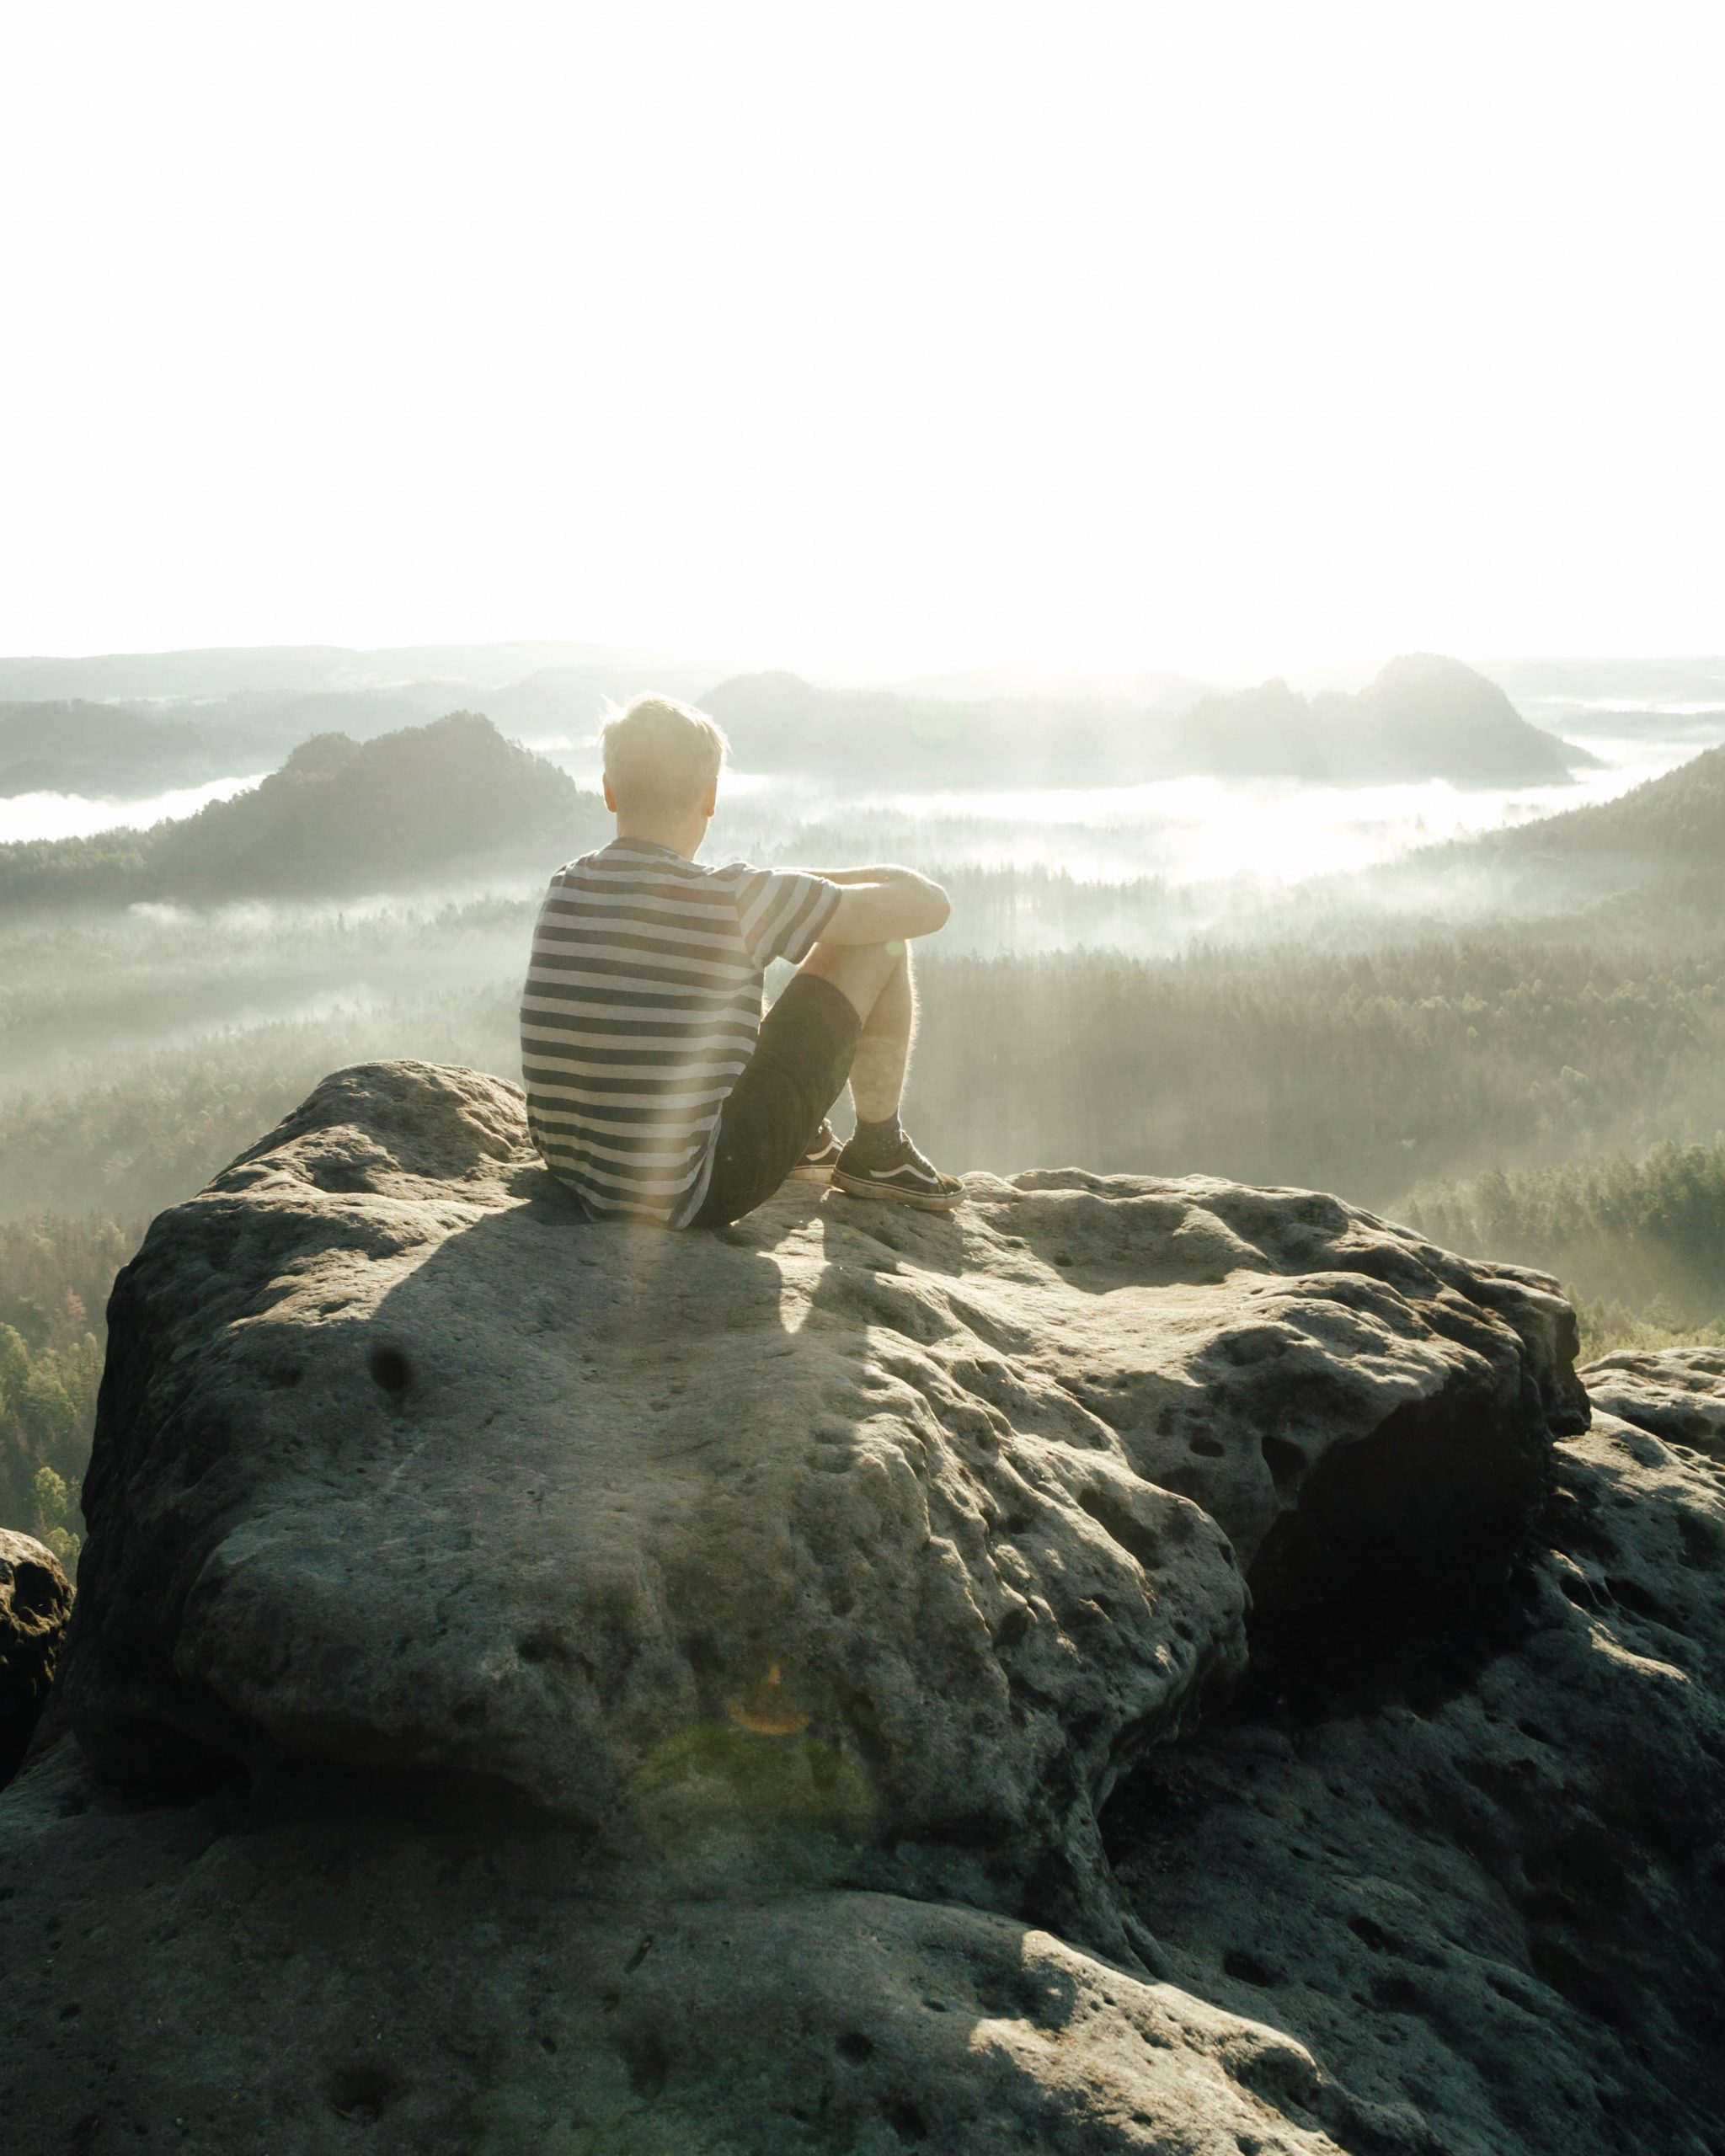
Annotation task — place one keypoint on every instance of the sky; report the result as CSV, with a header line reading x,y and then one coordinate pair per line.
x,y
1223,338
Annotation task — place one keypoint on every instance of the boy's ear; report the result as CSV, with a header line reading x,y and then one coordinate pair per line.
x,y
711,802
610,798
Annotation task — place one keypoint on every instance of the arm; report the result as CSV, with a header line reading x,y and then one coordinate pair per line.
x,y
887,874
882,905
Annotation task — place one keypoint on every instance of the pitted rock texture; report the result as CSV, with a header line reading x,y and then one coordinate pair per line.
x,y
312,1977
1482,1873
1459,1898
35,1602
401,1462
1677,1393
609,1694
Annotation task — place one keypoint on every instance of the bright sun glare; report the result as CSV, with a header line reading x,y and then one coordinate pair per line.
x,y
1224,337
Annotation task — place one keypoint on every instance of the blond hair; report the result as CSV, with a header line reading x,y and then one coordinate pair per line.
x,y
660,755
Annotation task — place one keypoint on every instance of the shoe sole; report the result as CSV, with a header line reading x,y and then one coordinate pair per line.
x,y
920,1201
810,1174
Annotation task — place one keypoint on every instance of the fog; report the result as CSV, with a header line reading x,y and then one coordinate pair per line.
x,y
87,996
1175,832
1184,830
78,815
1180,831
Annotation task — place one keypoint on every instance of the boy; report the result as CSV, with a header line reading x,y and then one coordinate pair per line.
x,y
655,1089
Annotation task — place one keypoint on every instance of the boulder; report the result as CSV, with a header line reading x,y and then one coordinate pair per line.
x,y
1134,1665
35,1602
401,1462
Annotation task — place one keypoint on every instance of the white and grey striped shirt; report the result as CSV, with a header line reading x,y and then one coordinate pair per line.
x,y
642,1006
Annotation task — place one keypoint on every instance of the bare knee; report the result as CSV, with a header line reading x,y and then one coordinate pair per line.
x,y
861,972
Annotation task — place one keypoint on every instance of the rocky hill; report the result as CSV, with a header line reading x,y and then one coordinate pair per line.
x,y
1133,1665
1678,820
1648,867
1428,716
416,807
1423,717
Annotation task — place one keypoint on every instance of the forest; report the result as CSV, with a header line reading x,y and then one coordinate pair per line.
x,y
1366,1072
55,1275
1646,1234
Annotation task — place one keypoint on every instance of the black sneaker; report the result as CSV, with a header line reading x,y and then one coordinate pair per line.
x,y
817,1164
905,1178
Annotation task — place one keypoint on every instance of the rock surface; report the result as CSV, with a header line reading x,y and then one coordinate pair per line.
x,y
1676,1393
35,1602
401,1462
1483,1878
410,1983
576,1689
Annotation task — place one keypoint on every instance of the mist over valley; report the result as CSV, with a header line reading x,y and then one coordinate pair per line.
x,y
1269,968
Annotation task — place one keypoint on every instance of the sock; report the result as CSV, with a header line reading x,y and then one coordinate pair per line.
x,y
878,1141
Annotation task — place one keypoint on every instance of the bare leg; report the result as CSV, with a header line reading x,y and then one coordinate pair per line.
x,y
883,1051
880,1161
877,979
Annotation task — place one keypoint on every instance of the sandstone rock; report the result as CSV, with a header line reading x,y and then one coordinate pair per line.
x,y
345,1973
35,1601
400,1462
1677,1393
555,1688
1484,1877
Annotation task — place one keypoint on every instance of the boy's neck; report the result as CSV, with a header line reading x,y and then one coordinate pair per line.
x,y
683,834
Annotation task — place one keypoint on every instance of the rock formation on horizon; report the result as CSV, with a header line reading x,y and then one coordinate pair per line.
x,y
1134,1665
1424,717
404,811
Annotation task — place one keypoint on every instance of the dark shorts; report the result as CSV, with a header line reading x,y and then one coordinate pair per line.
x,y
798,1071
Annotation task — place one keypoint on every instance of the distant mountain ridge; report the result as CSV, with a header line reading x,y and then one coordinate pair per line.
x,y
219,714
1651,681
1423,717
123,726
110,751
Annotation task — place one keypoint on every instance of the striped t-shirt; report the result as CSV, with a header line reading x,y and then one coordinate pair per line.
x,y
642,1006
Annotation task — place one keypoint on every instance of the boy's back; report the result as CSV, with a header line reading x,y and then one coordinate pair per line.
x,y
641,1009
